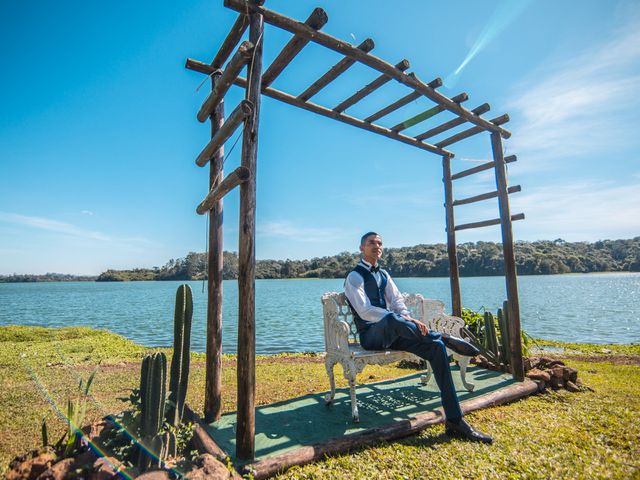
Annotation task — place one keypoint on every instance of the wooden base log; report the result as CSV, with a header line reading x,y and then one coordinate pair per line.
x,y
304,455
205,444
231,181
201,439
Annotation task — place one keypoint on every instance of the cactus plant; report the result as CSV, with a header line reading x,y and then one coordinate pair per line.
x,y
153,378
490,336
503,324
179,376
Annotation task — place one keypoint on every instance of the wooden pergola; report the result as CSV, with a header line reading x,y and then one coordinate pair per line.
x,y
252,16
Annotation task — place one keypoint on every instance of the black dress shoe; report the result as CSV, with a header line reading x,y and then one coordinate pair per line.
x,y
459,345
463,430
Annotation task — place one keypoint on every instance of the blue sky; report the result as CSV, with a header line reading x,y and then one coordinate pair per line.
x,y
98,133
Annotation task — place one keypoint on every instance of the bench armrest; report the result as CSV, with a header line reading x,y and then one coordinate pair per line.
x,y
338,338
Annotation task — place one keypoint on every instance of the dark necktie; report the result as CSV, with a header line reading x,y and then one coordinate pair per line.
x,y
374,269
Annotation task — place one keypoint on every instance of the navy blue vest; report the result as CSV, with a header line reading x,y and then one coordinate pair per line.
x,y
373,292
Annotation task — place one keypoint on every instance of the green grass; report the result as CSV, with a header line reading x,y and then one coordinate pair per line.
x,y
599,349
593,434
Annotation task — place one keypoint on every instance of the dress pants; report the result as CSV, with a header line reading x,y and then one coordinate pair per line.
x,y
396,333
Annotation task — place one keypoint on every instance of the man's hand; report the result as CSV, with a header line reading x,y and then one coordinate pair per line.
x,y
422,328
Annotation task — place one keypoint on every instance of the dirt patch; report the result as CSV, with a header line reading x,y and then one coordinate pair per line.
x,y
614,359
294,359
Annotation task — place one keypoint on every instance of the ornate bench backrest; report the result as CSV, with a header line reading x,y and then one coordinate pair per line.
x,y
337,315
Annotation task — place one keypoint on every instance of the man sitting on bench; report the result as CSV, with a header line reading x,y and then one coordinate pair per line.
x,y
384,322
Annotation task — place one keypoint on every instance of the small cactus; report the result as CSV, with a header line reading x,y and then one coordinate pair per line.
x,y
179,376
153,378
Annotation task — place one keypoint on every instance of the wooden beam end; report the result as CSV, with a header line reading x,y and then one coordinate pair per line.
x,y
367,45
246,49
317,19
435,83
462,97
403,65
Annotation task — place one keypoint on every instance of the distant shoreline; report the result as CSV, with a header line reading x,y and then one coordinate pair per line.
x,y
94,279
479,259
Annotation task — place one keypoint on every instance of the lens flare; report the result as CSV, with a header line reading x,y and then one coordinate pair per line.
x,y
505,14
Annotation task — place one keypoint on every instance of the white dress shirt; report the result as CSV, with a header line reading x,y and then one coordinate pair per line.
x,y
354,290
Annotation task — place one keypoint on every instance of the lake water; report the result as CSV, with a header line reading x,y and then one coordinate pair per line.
x,y
595,308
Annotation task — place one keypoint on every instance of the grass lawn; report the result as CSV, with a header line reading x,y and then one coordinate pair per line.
x,y
592,434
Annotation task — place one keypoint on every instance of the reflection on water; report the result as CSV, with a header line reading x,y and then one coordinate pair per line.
x,y
597,308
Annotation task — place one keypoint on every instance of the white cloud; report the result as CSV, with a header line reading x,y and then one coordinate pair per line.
x,y
295,232
583,104
590,210
52,226
64,228
87,212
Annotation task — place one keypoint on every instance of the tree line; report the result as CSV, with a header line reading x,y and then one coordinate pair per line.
x,y
475,259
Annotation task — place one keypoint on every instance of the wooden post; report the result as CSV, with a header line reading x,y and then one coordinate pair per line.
x,y
454,276
245,433
213,369
509,257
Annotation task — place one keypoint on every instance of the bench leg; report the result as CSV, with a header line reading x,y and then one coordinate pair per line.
x,y
463,362
426,375
354,402
350,370
329,363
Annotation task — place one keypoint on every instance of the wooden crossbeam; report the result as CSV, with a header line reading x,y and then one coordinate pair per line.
x,y
421,117
334,72
485,196
471,132
230,42
312,107
231,181
435,83
316,20
242,111
369,88
452,123
201,67
235,65
480,168
486,223
365,58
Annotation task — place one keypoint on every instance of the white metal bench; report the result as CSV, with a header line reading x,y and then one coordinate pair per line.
x,y
343,346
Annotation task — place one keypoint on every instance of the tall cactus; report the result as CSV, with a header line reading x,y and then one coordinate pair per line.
x,y
179,377
490,337
153,378
503,323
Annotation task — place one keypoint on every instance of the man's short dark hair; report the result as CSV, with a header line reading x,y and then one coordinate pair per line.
x,y
365,236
